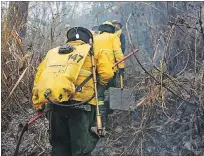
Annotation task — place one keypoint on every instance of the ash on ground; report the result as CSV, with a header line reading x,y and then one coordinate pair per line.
x,y
152,130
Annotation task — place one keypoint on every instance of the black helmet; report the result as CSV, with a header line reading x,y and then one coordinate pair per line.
x,y
107,27
79,33
95,28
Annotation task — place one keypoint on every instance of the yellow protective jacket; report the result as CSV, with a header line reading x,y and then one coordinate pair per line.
x,y
110,44
104,73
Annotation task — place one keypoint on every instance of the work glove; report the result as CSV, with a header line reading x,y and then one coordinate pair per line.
x,y
121,71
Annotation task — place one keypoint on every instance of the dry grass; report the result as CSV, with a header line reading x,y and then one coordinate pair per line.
x,y
17,73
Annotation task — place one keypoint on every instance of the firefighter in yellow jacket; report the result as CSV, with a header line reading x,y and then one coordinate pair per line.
x,y
64,78
110,44
118,31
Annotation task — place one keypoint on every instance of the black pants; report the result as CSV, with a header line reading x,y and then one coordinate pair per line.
x,y
70,131
112,83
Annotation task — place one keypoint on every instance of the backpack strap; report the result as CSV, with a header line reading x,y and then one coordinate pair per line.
x,y
72,105
79,87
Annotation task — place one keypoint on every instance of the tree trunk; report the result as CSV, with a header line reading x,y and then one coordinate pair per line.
x,y
17,17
